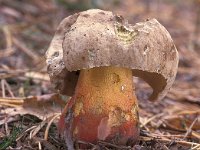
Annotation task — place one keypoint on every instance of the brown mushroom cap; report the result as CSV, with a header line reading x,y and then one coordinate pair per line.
x,y
97,38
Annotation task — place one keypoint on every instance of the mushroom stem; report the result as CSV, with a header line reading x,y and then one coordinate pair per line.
x,y
105,106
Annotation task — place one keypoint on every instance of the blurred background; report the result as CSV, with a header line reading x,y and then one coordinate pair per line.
x,y
27,27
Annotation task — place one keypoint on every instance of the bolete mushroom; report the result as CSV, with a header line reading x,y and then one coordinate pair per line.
x,y
92,58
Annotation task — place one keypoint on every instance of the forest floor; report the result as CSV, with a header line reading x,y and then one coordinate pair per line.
x,y
30,107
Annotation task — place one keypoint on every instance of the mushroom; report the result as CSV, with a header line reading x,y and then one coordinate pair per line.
x,y
92,58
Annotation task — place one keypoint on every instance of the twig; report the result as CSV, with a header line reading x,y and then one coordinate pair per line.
x,y
189,130
197,147
6,52
26,50
197,23
3,88
8,88
8,36
16,27
169,136
29,129
150,119
168,140
188,112
27,73
39,146
37,75
48,126
37,128
10,105
8,73
3,84
82,142
196,134
18,101
6,128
